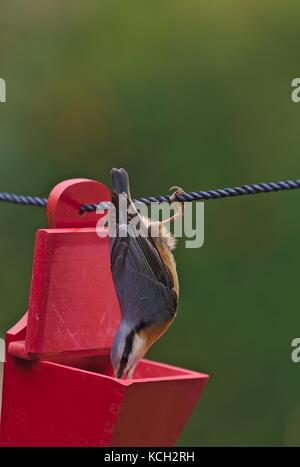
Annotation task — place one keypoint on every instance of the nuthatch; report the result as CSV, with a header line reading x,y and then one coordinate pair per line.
x,y
145,278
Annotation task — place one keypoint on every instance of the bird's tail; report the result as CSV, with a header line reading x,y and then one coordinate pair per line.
x,y
121,187
120,182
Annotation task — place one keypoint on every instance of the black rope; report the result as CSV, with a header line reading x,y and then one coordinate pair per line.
x,y
24,200
210,194
253,189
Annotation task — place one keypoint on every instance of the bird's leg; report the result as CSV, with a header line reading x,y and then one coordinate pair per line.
x,y
179,211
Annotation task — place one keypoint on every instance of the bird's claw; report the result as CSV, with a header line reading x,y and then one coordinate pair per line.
x,y
178,191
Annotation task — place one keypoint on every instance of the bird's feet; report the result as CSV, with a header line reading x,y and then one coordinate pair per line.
x,y
178,191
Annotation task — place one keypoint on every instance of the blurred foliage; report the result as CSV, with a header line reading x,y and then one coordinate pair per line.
x,y
189,93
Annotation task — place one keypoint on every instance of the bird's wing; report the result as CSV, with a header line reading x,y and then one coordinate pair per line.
x,y
144,284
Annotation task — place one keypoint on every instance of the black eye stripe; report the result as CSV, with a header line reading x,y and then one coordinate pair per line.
x,y
128,348
128,345
126,353
123,364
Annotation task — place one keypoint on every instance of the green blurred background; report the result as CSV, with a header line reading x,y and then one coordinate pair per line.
x,y
178,92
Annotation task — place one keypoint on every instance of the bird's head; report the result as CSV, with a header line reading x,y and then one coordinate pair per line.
x,y
127,350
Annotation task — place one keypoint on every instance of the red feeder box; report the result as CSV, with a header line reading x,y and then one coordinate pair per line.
x,y
58,384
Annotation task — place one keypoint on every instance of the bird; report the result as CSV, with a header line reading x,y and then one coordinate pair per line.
x,y
144,275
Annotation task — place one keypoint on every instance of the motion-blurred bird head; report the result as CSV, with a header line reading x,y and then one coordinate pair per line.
x,y
127,350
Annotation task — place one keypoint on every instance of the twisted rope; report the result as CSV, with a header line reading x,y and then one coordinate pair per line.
x,y
23,200
253,189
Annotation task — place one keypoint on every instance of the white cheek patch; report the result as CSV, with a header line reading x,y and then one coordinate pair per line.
x,y
138,351
138,344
